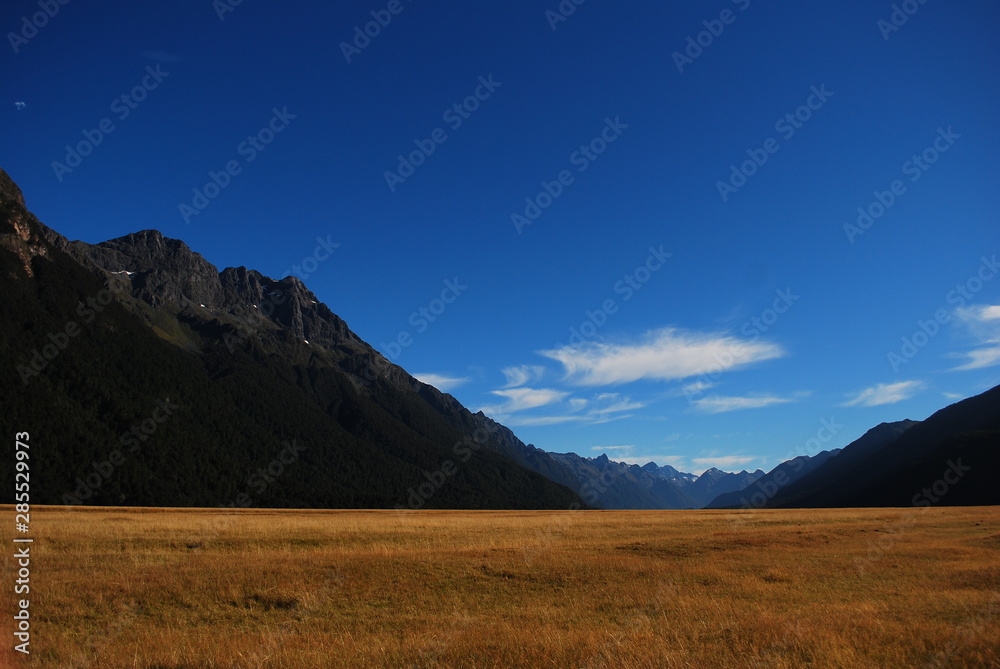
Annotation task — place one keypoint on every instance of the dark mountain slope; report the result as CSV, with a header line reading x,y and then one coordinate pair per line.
x,y
895,473
714,482
779,480
760,491
134,393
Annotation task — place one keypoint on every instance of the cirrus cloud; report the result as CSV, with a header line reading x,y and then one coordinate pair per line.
x,y
719,404
984,323
441,382
885,393
725,462
663,355
522,374
519,399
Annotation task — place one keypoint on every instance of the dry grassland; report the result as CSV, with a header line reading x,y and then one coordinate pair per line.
x,y
114,588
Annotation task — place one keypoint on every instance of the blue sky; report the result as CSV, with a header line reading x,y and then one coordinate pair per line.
x,y
619,232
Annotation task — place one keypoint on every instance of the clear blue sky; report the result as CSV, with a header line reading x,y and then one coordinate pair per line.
x,y
678,371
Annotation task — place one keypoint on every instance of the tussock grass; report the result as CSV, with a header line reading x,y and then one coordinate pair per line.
x,y
115,588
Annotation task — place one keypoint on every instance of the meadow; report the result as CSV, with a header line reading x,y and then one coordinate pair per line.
x,y
174,588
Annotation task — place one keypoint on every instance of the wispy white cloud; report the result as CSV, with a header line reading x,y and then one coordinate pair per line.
x,y
606,403
984,324
720,404
695,388
522,374
725,462
989,312
600,408
666,354
520,399
441,382
627,448
885,393
540,421
980,358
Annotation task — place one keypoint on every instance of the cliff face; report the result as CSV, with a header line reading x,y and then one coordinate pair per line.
x,y
19,229
165,273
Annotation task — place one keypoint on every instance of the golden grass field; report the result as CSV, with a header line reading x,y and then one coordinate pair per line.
x,y
285,589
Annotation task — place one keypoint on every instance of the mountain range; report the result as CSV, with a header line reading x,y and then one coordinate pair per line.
x,y
145,376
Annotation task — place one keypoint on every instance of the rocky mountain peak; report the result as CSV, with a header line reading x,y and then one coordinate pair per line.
x,y
10,191
20,231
